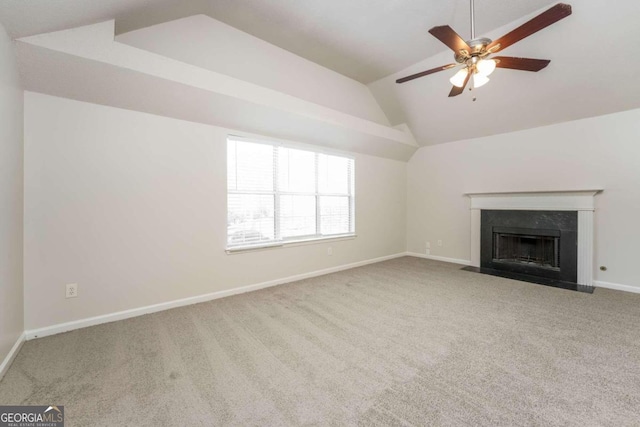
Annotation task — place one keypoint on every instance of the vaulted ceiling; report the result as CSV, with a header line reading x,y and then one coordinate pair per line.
x,y
362,39
592,71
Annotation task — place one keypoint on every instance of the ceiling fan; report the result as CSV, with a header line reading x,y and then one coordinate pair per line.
x,y
474,55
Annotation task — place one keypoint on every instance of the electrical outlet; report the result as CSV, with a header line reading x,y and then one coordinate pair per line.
x,y
439,242
329,251
72,290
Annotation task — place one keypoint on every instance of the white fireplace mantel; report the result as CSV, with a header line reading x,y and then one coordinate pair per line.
x,y
582,201
573,200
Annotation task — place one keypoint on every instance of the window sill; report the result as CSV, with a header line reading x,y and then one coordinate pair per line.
x,y
290,243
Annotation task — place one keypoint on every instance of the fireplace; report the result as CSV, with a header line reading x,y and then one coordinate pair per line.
x,y
573,226
533,243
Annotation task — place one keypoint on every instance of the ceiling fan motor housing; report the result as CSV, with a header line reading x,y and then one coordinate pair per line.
x,y
478,47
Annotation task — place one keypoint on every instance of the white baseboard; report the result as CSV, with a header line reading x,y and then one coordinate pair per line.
x,y
440,258
121,315
6,363
616,286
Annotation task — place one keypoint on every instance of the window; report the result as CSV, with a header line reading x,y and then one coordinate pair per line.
x,y
278,194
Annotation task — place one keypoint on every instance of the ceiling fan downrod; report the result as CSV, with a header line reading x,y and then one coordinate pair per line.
x,y
473,20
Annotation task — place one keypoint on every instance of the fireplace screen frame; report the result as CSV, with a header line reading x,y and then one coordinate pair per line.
x,y
527,246
561,224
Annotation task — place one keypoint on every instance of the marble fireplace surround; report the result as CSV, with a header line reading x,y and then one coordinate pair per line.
x,y
582,201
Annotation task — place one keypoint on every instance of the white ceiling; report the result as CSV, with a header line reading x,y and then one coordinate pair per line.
x,y
592,71
362,39
87,64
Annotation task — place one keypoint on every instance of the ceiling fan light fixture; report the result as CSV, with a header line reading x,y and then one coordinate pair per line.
x,y
486,66
459,77
480,80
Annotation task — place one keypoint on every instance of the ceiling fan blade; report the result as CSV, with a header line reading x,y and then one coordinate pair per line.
x,y
524,64
446,35
425,73
455,91
550,16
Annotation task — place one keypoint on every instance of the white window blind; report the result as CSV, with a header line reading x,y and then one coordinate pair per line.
x,y
280,194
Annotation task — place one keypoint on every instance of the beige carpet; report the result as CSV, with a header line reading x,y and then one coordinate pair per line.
x,y
403,342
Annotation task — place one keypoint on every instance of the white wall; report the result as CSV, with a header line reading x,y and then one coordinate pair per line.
x,y
11,291
132,207
600,152
208,43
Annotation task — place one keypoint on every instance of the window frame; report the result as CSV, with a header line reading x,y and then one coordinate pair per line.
x,y
277,193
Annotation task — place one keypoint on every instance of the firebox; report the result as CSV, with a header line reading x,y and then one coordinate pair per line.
x,y
527,246
534,243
